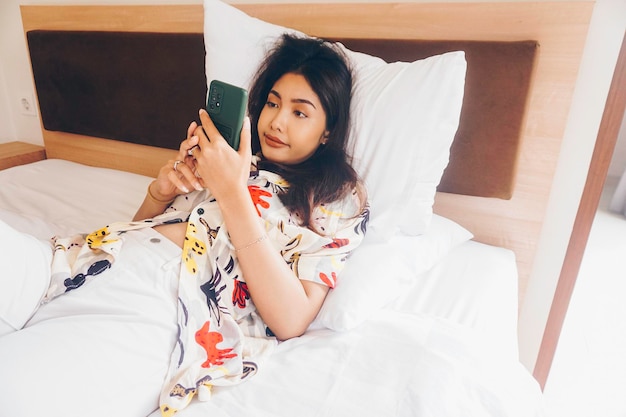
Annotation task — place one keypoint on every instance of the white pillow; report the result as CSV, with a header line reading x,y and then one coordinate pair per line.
x,y
25,264
378,273
404,115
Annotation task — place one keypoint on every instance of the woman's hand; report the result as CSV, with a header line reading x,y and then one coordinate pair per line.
x,y
178,176
222,169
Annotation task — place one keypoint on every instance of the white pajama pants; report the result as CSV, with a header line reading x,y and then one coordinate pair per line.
x,y
102,349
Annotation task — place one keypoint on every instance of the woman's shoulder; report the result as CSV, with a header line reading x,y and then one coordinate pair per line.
x,y
344,212
354,200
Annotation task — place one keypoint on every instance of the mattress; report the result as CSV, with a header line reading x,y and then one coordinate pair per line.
x,y
443,344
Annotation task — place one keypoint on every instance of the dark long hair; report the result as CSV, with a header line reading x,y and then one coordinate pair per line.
x,y
327,175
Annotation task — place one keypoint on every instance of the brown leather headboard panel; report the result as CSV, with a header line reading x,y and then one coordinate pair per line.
x,y
147,87
135,87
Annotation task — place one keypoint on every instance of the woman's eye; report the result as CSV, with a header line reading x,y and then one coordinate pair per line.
x,y
298,113
271,104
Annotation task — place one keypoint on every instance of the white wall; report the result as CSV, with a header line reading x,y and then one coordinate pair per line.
x,y
7,129
605,36
9,25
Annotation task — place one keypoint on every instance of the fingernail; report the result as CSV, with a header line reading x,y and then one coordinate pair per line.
x,y
184,189
197,186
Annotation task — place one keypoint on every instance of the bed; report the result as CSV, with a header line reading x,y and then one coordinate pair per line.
x,y
459,228
450,335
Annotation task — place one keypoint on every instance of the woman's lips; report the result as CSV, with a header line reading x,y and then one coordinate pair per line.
x,y
274,141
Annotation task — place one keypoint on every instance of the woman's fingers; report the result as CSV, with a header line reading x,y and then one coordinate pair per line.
x,y
182,173
209,129
178,176
207,133
245,142
192,128
187,145
183,176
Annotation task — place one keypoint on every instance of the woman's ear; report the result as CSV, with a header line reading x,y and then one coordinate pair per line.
x,y
325,137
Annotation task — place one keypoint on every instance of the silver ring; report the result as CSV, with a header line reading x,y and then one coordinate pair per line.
x,y
176,165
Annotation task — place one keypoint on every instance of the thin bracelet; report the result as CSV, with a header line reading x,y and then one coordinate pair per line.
x,y
156,200
254,242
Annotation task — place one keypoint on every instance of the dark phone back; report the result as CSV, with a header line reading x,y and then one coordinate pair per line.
x,y
226,104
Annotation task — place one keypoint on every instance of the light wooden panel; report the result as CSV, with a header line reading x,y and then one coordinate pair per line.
x,y
140,159
136,18
559,27
20,153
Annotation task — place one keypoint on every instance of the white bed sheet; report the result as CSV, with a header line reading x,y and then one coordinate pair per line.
x,y
58,197
446,347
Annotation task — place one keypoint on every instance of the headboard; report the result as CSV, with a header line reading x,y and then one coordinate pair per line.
x,y
509,215
92,83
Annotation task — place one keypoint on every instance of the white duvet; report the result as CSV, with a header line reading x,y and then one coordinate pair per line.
x,y
393,365
445,347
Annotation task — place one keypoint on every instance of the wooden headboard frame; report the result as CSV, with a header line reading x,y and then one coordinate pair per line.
x,y
559,27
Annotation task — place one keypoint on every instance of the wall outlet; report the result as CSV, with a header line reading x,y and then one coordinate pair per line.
x,y
27,104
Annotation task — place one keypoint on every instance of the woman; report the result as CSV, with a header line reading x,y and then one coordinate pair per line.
x,y
248,256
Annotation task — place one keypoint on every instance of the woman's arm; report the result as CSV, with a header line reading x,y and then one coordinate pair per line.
x,y
172,180
286,304
153,204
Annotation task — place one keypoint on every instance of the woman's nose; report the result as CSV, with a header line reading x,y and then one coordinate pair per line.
x,y
278,122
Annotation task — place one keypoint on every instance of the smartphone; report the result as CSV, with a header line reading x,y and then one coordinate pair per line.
x,y
226,104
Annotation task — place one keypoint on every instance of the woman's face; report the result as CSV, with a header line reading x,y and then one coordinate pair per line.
x,y
293,123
